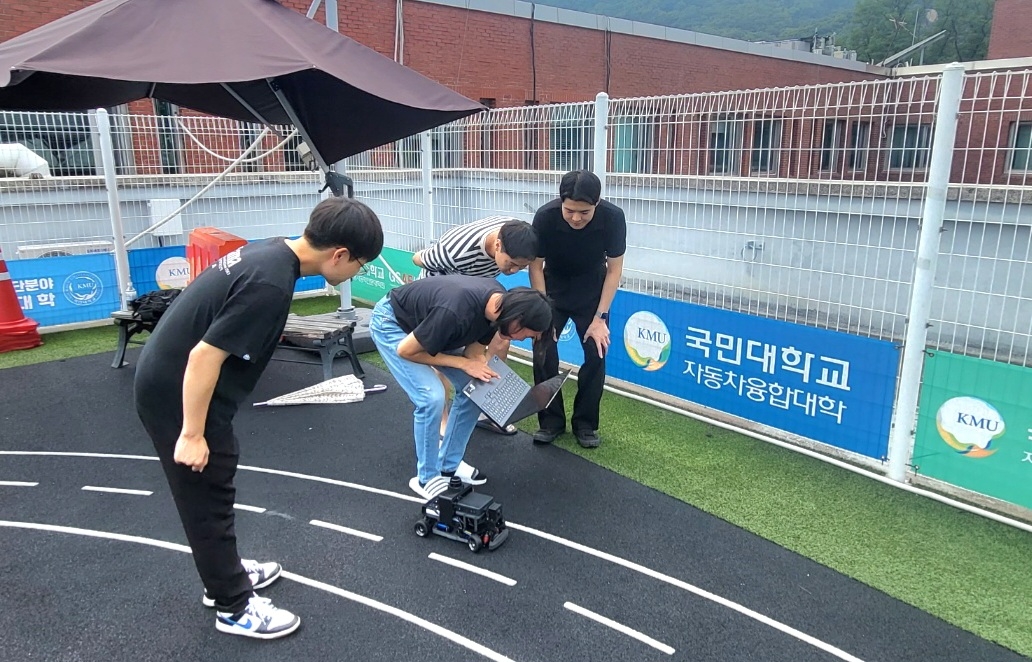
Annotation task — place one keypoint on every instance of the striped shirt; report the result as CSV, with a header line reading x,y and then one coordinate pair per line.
x,y
463,250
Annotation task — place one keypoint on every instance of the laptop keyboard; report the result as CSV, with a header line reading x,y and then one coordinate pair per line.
x,y
500,401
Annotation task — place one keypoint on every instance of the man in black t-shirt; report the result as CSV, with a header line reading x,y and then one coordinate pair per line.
x,y
445,323
203,359
581,244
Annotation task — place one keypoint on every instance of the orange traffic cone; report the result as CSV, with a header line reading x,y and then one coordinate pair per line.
x,y
16,330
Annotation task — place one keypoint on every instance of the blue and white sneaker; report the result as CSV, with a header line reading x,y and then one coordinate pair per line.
x,y
259,619
261,575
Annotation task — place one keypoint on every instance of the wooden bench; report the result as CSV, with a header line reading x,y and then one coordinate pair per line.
x,y
327,335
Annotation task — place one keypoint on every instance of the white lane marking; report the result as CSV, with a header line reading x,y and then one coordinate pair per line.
x,y
348,595
344,529
472,568
394,611
673,581
620,627
745,611
250,509
106,456
115,490
16,483
96,534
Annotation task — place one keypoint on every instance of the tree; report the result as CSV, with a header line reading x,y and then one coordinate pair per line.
x,y
881,28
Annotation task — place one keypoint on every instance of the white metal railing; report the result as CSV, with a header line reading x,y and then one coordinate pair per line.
x,y
818,205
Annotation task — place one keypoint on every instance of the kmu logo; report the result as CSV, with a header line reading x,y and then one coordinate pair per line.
x,y
647,340
970,426
173,273
83,288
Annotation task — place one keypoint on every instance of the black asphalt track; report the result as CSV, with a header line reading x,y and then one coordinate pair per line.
x,y
583,539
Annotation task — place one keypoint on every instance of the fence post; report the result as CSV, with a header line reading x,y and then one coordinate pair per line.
x,y
107,156
901,438
427,162
601,136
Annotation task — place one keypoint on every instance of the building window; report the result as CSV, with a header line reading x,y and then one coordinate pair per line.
x,y
572,143
410,152
292,161
63,140
832,143
446,147
170,141
248,134
631,145
766,146
908,149
858,145
724,145
1021,146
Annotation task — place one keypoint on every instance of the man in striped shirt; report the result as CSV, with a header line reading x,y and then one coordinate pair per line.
x,y
488,247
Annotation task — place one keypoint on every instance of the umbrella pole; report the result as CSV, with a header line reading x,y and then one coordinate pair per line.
x,y
347,307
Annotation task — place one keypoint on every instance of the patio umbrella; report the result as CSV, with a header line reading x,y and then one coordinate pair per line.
x,y
339,390
251,60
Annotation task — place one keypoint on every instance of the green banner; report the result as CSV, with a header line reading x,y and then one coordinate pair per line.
x,y
974,429
379,281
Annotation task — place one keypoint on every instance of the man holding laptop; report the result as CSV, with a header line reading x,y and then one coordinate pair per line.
x,y
488,247
445,324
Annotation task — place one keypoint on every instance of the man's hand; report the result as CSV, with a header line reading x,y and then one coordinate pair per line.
x,y
598,331
192,451
477,369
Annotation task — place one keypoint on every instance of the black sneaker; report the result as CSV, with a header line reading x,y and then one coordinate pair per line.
x,y
587,438
544,436
260,574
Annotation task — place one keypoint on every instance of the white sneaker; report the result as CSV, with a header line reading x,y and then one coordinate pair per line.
x,y
433,487
260,574
259,619
470,474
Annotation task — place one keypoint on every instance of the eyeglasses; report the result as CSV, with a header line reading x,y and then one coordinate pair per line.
x,y
364,269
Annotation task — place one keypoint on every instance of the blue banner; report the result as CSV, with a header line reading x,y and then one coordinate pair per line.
x,y
66,290
159,268
84,288
829,386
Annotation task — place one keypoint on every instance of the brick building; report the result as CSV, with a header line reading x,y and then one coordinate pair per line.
x,y
1011,35
508,54
513,53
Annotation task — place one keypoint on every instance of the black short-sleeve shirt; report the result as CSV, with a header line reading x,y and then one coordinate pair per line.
x,y
240,305
575,260
573,254
445,313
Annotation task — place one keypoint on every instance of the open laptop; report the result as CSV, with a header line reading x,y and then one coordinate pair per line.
x,y
509,399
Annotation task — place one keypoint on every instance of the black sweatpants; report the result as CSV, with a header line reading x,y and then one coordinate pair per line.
x,y
576,300
205,504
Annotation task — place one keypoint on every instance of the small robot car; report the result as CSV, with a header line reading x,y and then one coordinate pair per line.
x,y
461,514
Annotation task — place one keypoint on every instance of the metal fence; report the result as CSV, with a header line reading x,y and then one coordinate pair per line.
x,y
801,204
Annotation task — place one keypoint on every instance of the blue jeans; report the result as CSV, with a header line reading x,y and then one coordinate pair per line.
x,y
424,389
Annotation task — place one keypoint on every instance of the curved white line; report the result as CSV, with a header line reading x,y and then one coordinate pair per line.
x,y
348,595
404,615
745,611
673,581
97,534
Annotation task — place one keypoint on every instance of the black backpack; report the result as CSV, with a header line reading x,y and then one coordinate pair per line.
x,y
151,306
